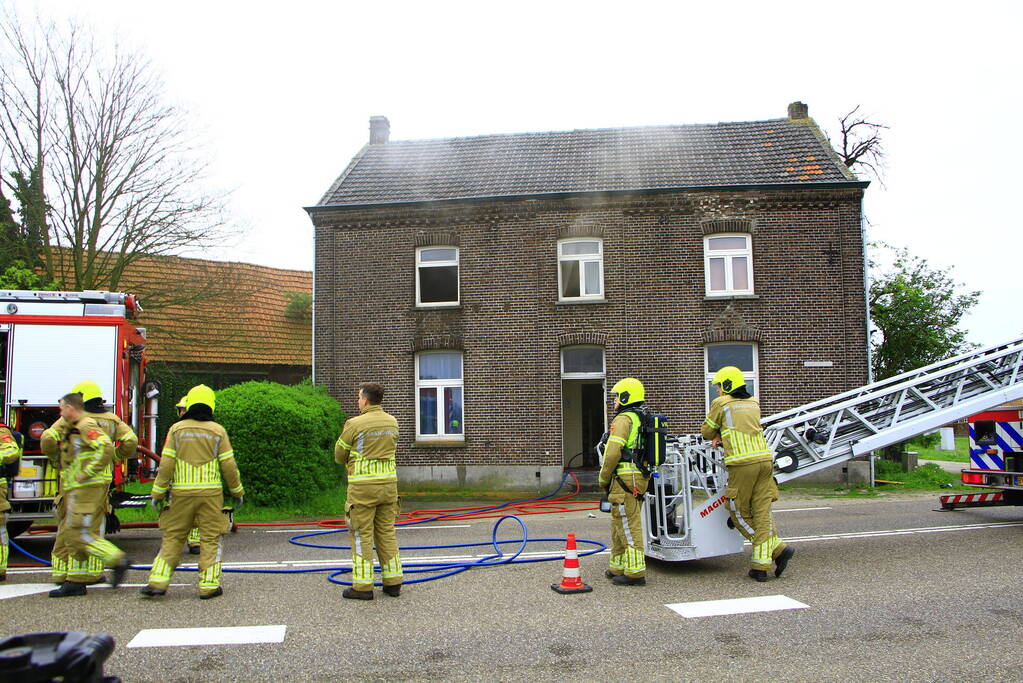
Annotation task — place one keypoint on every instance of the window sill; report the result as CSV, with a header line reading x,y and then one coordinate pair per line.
x,y
577,302
439,307
729,297
439,444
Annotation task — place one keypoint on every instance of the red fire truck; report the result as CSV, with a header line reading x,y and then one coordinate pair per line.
x,y
996,459
50,341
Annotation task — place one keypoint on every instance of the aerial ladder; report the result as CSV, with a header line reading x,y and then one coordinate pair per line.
x,y
685,515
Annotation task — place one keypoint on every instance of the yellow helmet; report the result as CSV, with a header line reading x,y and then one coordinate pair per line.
x,y
730,378
183,403
629,390
88,389
201,394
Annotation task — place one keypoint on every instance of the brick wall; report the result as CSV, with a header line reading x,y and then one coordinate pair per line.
x,y
654,322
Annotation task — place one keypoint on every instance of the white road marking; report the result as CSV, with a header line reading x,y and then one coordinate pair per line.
x,y
217,635
18,590
903,532
799,509
716,608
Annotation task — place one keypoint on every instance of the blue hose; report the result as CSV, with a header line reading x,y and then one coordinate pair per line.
x,y
444,568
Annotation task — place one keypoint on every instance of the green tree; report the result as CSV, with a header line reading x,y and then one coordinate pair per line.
x,y
917,311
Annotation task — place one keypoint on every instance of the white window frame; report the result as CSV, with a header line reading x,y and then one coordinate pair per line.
x,y
584,375
440,385
436,264
748,376
582,259
728,255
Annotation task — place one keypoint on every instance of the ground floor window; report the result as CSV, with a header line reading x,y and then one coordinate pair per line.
x,y
439,411
741,355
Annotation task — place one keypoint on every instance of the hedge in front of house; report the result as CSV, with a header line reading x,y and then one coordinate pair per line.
x,y
283,439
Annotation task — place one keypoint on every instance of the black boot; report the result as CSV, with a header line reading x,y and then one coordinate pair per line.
x,y
783,560
353,594
120,569
193,550
68,589
209,596
610,574
758,575
623,580
151,592
393,591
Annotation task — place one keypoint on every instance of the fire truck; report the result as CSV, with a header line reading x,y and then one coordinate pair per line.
x,y
996,459
50,341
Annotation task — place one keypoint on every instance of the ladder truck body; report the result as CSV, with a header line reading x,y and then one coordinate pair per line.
x,y
685,516
996,459
50,341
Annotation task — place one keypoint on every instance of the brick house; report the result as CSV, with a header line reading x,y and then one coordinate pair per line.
x,y
499,285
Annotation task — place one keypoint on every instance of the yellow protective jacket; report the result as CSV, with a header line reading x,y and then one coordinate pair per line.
x,y
10,452
125,441
623,434
197,460
367,448
51,440
737,422
86,450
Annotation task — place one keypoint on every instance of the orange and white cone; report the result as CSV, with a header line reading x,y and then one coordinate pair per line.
x,y
570,581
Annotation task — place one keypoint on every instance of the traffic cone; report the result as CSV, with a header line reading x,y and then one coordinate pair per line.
x,y
570,581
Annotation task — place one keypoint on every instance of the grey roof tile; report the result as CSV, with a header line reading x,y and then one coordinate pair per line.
x,y
780,151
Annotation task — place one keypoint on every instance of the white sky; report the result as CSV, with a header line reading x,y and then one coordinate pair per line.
x,y
283,92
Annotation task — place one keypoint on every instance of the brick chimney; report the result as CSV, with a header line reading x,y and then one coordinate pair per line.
x,y
797,110
379,130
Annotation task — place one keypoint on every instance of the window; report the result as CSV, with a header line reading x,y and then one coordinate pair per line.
x,y
728,263
437,276
439,396
582,362
581,269
742,356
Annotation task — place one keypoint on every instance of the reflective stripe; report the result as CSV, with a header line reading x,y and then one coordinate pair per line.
x,y
711,423
739,519
225,456
625,524
392,569
617,439
160,574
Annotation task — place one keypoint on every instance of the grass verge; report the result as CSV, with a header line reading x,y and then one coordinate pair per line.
x,y
960,454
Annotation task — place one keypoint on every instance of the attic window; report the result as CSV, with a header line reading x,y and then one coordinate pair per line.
x,y
437,276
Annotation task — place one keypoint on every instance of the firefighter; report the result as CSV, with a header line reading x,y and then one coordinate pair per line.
x,y
197,459
367,448
625,484
125,446
10,454
734,421
86,455
193,535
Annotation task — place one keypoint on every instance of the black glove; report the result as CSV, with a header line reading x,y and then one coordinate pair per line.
x,y
238,502
157,503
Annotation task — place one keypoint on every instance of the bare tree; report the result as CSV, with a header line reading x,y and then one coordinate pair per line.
x,y
861,143
118,176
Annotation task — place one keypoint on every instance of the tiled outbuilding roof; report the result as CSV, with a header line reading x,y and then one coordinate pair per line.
x,y
775,152
199,311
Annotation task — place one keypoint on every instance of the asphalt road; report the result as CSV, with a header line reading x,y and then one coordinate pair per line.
x,y
894,591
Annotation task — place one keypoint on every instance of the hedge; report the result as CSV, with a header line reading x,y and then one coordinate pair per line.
x,y
283,439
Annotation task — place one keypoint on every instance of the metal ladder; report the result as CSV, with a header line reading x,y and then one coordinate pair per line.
x,y
685,516
820,434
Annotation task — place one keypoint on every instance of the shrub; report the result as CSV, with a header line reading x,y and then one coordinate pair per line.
x,y
283,439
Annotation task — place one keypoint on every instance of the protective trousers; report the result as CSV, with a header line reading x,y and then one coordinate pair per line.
x,y
3,543
626,533
81,531
62,565
193,537
176,520
371,523
751,490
